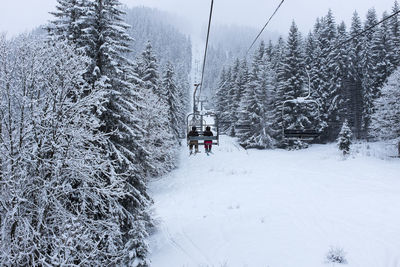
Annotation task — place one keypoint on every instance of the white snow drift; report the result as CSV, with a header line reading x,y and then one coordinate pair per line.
x,y
277,208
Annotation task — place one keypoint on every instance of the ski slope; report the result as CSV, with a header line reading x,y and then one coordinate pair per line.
x,y
277,209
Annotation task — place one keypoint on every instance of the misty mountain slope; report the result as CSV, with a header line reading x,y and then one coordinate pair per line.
x,y
276,208
158,27
227,43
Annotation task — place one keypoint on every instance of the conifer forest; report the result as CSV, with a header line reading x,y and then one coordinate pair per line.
x,y
94,128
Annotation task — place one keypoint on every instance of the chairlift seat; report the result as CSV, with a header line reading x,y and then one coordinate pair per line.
x,y
201,139
307,134
242,127
199,121
301,134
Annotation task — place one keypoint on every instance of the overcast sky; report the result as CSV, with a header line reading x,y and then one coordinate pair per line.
x,y
17,16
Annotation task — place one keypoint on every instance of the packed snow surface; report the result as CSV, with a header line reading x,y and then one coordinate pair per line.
x,y
277,208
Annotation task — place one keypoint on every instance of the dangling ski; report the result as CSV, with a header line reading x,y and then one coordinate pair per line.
x,y
193,153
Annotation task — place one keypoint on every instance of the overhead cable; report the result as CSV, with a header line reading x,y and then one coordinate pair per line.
x,y
266,24
206,49
359,34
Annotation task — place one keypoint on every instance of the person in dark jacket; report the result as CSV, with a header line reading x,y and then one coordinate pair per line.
x,y
194,143
208,143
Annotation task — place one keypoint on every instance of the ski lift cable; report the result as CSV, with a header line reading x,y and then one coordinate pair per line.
x,y
206,49
359,34
266,24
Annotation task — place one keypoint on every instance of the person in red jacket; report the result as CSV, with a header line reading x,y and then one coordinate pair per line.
x,y
208,143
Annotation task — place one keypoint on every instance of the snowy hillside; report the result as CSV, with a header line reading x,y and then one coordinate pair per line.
x,y
277,208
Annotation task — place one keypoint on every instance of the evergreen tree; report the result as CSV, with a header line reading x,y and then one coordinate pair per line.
x,y
356,48
344,139
148,70
290,83
394,23
291,71
168,43
220,96
345,79
229,98
269,51
172,97
234,94
276,60
105,41
384,56
342,70
355,76
370,60
263,132
183,85
310,51
256,102
160,140
329,83
223,101
63,194
278,53
70,21
250,104
240,85
313,58
386,118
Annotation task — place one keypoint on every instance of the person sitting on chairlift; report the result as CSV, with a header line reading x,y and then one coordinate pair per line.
x,y
194,143
208,143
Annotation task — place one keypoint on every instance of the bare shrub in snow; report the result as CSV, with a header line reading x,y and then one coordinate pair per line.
x,y
336,255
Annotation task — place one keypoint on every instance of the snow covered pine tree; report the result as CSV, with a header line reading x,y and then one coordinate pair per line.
x,y
386,119
344,139
160,141
104,40
61,193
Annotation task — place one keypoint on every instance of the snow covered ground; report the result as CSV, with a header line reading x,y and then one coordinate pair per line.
x,y
277,209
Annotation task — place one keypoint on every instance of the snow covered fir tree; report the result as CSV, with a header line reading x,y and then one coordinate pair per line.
x,y
385,121
344,139
346,81
95,111
77,152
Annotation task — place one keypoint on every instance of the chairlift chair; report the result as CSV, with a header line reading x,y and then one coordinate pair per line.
x,y
201,121
302,134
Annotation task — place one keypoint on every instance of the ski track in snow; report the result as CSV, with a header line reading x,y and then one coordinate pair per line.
x,y
276,208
